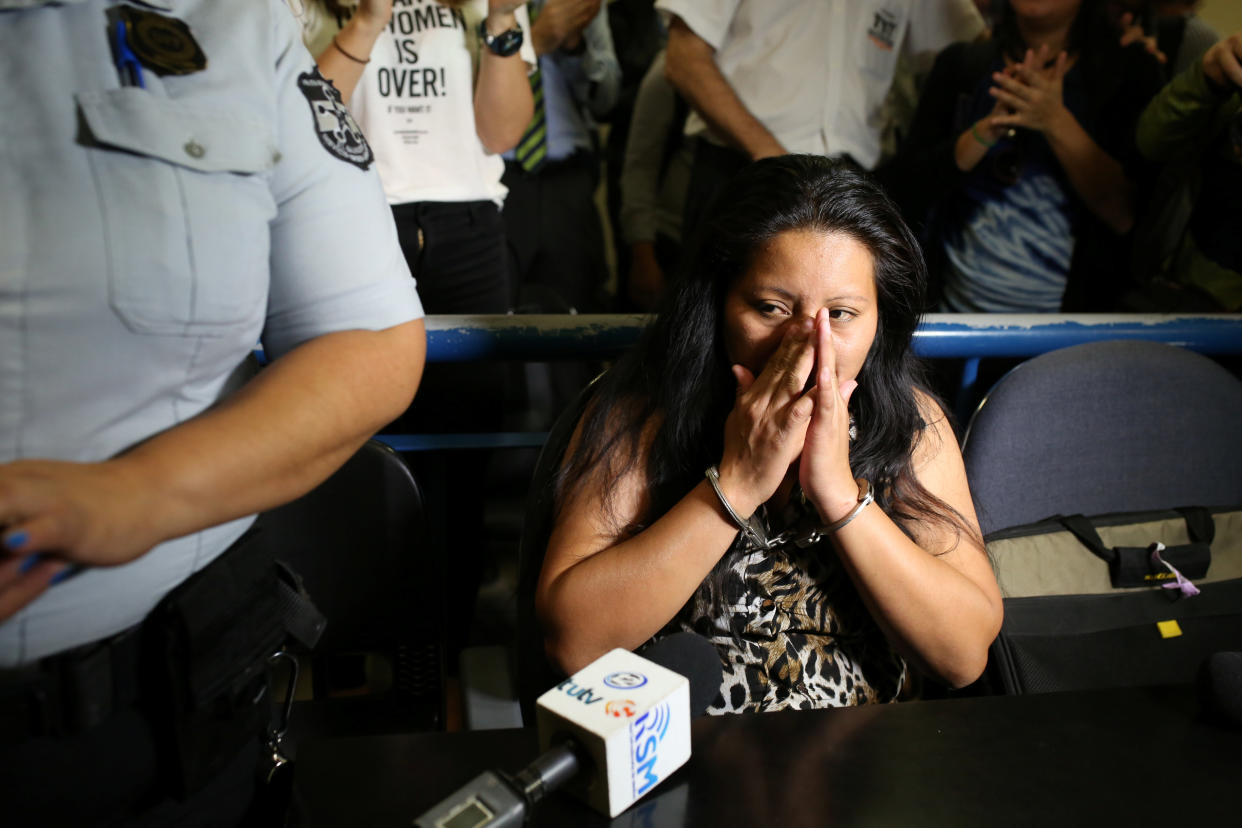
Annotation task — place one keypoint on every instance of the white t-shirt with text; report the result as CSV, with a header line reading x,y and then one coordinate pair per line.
x,y
415,101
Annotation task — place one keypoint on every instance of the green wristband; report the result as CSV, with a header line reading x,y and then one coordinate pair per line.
x,y
974,130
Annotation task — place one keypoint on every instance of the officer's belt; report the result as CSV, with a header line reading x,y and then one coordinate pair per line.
x,y
80,688
71,691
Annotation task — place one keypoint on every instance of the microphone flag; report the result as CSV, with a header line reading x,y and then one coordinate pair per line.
x,y
630,717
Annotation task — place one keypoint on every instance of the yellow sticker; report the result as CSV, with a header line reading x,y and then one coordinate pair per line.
x,y
1169,629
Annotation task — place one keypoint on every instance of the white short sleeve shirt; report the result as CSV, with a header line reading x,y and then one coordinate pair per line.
x,y
816,72
149,236
415,100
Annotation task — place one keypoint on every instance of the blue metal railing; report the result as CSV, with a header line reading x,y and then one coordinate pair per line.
x,y
941,336
542,338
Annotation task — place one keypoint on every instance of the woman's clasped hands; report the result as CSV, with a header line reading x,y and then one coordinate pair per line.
x,y
777,422
1032,92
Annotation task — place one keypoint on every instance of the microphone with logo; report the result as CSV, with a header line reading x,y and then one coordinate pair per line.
x,y
609,733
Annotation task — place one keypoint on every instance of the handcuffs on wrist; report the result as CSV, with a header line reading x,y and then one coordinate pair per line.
x,y
756,533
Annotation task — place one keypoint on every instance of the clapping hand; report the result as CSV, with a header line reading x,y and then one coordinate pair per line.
x,y
1032,91
1223,62
989,128
1132,32
560,23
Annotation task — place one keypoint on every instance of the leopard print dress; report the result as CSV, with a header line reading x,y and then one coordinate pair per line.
x,y
791,628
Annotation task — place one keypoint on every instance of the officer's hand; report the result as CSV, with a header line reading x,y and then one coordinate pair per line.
x,y
57,514
22,581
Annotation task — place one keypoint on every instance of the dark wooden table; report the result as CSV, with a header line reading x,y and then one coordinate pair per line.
x,y
1130,757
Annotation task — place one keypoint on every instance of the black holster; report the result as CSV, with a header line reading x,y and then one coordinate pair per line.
x,y
196,669
205,654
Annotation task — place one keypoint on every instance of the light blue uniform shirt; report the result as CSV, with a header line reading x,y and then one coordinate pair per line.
x,y
149,237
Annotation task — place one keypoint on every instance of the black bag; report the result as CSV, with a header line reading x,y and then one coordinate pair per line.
x,y
1086,606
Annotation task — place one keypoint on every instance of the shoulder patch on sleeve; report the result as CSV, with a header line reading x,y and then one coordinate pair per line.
x,y
336,128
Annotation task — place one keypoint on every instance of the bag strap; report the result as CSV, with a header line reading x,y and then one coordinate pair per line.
x,y
1085,532
1200,528
1199,524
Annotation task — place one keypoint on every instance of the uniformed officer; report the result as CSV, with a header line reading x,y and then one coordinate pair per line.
x,y
179,182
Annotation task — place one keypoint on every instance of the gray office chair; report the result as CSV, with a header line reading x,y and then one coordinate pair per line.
x,y
1098,429
1124,425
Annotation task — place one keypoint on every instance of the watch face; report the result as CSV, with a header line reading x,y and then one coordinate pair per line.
x,y
506,43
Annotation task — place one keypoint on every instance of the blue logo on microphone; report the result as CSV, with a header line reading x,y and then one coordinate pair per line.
x,y
646,734
625,680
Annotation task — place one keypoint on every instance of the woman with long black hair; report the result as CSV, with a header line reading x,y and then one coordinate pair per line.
x,y
765,468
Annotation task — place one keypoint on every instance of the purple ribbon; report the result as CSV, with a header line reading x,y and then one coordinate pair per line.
x,y
1188,589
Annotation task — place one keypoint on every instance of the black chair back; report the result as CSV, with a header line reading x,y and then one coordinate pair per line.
x,y
534,673
358,543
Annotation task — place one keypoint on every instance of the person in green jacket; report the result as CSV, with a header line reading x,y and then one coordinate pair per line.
x,y
1196,120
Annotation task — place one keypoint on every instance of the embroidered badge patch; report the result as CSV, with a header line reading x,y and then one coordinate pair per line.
x,y
163,44
337,130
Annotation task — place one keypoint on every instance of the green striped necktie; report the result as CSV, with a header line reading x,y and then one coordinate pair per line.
x,y
532,150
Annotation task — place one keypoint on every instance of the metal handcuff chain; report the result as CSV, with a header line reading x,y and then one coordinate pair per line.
x,y
754,528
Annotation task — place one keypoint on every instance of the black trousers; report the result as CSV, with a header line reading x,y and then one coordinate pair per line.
x,y
555,237
456,251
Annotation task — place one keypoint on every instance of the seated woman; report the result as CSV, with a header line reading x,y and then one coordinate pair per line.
x,y
1021,157
781,365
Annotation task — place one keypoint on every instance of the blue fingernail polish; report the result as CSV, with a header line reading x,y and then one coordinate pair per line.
x,y
67,572
28,564
16,540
